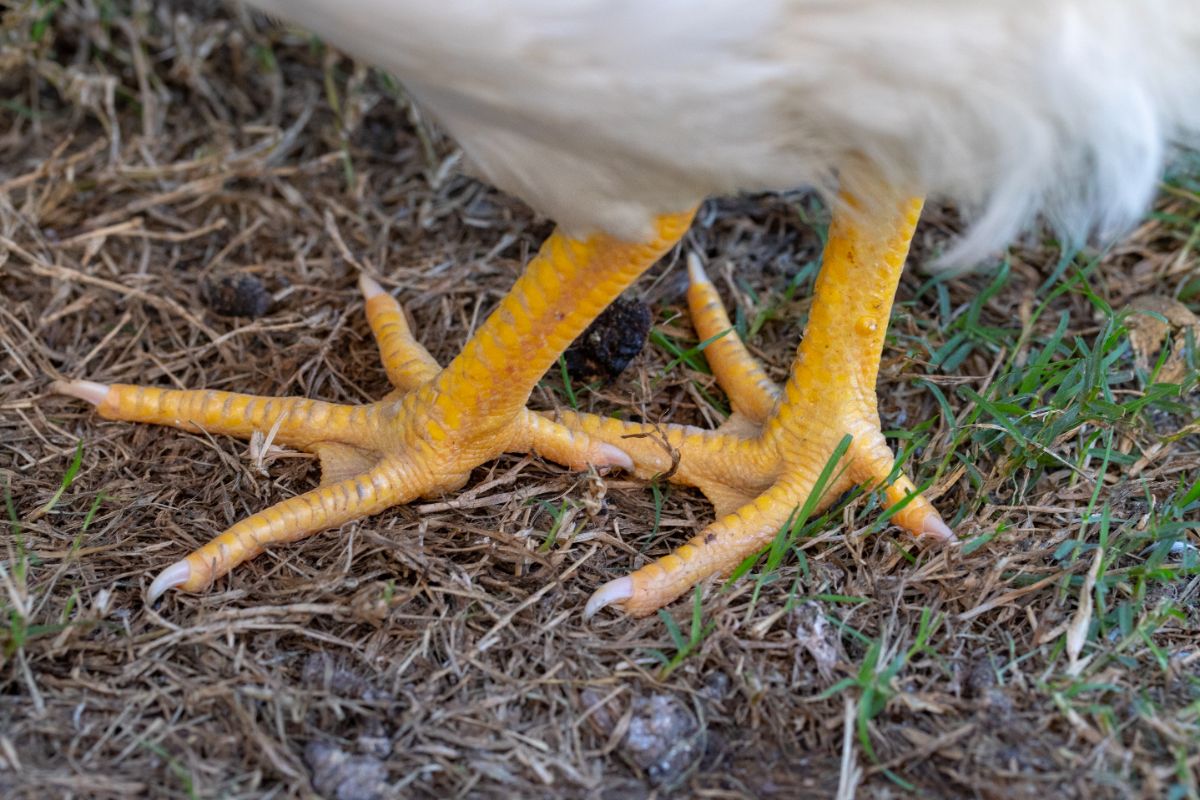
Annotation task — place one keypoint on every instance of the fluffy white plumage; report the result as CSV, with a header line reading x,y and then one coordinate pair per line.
x,y
603,113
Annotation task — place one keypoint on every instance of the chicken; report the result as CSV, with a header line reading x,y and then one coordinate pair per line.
x,y
615,118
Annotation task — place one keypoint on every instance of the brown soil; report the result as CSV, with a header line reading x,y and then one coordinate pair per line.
x,y
152,161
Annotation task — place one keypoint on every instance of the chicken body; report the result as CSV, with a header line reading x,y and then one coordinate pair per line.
x,y
602,114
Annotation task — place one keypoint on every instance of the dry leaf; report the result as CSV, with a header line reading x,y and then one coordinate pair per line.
x,y
1077,630
1148,333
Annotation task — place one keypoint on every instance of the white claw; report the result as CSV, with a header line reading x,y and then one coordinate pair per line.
x,y
934,528
174,575
91,391
615,457
696,273
609,593
368,287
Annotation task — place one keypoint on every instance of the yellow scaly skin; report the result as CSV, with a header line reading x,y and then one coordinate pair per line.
x,y
765,460
426,437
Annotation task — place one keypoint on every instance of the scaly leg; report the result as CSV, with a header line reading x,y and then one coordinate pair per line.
x,y
425,438
766,460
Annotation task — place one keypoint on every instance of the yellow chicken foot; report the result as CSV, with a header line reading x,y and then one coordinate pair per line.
x,y
424,438
765,460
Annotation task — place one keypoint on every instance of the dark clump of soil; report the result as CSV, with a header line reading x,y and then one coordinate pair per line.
x,y
236,296
610,343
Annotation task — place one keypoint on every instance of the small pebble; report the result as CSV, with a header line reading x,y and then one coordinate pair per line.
x,y
340,776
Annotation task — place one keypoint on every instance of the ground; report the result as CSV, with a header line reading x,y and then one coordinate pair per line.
x,y
186,199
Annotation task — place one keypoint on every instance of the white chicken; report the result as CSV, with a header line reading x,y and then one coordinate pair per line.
x,y
615,118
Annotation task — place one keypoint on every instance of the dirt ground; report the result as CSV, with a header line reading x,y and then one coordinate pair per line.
x,y
165,164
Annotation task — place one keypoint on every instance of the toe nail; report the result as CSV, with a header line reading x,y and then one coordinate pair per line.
x,y
935,528
696,273
368,287
91,391
615,457
175,575
611,592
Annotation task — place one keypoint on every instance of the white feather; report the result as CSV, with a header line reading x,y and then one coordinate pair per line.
x,y
603,113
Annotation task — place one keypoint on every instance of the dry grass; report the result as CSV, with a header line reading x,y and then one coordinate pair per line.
x,y
434,650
